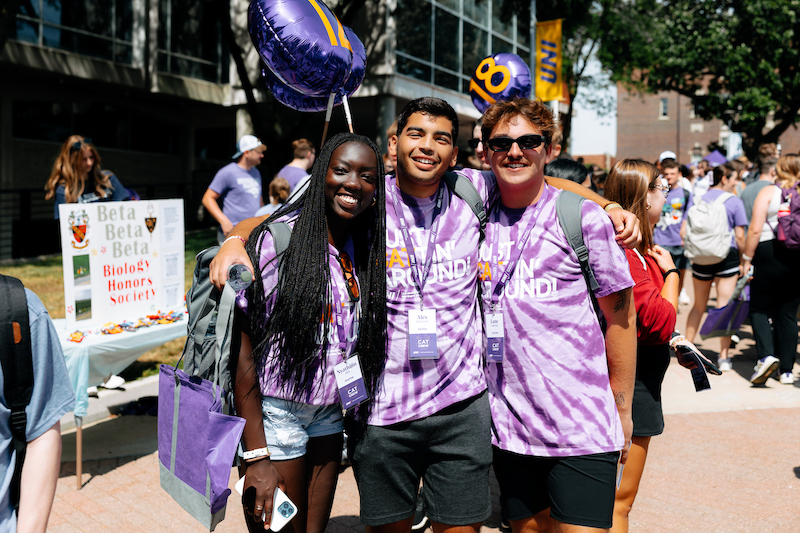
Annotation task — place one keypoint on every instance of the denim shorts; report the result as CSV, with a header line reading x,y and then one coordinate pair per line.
x,y
288,425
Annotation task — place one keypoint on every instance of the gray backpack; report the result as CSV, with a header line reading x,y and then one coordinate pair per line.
x,y
210,326
708,237
568,211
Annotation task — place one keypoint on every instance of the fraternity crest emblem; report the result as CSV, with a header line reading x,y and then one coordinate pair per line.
x,y
150,221
79,225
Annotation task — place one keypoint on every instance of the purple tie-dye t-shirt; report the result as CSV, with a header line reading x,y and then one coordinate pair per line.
x,y
415,389
324,390
551,395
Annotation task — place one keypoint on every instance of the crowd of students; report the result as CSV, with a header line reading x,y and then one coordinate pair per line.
x,y
473,335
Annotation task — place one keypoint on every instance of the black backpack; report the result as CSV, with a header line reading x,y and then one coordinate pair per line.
x,y
17,364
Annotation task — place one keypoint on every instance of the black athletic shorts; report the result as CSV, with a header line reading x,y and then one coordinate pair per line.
x,y
579,490
726,268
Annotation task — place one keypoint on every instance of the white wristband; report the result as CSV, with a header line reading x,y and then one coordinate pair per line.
x,y
255,454
746,257
244,242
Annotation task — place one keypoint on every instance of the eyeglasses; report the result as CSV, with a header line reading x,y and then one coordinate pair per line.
x,y
473,143
349,278
663,188
77,146
525,142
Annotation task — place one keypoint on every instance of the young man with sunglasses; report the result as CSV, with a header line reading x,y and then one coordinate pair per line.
x,y
430,419
560,392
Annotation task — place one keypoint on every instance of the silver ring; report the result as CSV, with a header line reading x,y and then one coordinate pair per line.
x,y
259,508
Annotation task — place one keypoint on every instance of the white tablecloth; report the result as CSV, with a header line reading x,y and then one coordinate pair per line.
x,y
93,360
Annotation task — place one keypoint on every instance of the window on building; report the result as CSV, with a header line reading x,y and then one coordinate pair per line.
x,y
108,125
190,40
99,29
663,109
443,41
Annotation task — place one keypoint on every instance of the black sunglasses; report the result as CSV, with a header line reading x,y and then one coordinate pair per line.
x,y
77,146
473,143
525,142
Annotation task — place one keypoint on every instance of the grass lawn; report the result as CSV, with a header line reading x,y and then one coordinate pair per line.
x,y
45,278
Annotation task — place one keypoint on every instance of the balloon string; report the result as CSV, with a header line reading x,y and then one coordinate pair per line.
x,y
347,113
327,118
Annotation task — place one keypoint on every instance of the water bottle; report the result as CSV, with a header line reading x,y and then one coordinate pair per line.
x,y
239,278
783,211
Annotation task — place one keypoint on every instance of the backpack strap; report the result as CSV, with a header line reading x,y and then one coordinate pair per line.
x,y
568,211
17,364
281,234
464,189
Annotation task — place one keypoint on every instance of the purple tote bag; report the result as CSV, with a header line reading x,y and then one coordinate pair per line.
x,y
727,320
196,444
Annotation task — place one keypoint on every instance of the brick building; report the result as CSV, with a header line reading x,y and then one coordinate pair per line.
x,y
650,124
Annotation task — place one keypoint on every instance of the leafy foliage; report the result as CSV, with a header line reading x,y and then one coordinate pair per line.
x,y
582,29
737,60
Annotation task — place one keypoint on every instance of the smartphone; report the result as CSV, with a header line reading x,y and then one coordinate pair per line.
x,y
283,509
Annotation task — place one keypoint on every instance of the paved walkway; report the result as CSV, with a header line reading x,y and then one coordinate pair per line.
x,y
728,461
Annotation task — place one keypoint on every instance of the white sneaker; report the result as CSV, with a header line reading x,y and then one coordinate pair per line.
x,y
787,378
683,298
765,366
725,365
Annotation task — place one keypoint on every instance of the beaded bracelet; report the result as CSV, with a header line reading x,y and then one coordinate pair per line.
x,y
244,241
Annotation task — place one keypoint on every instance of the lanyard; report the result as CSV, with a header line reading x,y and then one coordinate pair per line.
x,y
420,277
337,308
517,252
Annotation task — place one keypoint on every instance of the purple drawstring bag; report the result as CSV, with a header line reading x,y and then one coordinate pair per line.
x,y
727,320
196,444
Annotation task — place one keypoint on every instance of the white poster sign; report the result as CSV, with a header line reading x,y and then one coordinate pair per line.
x,y
122,260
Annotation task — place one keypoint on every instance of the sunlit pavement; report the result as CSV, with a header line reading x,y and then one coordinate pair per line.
x,y
728,461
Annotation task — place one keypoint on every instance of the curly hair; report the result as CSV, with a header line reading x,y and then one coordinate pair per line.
x,y
290,334
68,171
534,111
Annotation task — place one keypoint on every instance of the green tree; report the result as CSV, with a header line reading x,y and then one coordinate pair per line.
x,y
739,61
582,29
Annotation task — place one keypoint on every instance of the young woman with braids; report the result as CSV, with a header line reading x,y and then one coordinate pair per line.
x,y
76,176
320,303
636,186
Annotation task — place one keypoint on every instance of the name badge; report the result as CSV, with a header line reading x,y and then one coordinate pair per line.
x,y
350,382
422,334
495,337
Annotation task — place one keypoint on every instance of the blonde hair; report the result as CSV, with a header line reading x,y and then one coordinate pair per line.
x,y
627,185
788,170
68,171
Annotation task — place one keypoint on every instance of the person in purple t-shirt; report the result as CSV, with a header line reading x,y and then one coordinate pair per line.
x,y
238,184
430,418
560,393
725,273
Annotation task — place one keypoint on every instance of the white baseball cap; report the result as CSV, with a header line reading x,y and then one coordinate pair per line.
x,y
247,142
667,154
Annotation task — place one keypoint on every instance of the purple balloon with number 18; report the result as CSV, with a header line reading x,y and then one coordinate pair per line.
x,y
500,77
301,43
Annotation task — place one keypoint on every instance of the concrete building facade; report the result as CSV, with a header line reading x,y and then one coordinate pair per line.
x,y
153,83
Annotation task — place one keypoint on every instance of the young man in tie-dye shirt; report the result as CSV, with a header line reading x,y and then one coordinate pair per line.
x,y
560,393
430,419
